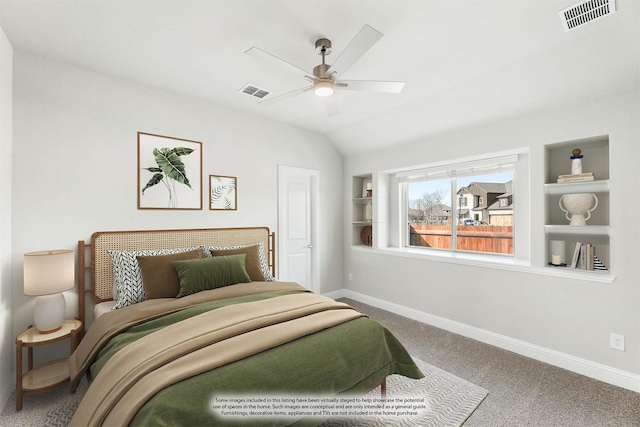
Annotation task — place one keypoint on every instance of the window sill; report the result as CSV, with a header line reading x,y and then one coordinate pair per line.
x,y
491,261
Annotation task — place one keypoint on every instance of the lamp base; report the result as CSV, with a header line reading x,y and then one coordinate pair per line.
x,y
49,312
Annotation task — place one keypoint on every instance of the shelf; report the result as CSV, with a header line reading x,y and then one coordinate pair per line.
x,y
601,186
46,376
362,223
363,200
590,230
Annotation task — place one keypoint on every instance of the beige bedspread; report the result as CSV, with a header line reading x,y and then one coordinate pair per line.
x,y
111,323
195,345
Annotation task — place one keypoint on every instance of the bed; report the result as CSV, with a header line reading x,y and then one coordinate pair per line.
x,y
156,359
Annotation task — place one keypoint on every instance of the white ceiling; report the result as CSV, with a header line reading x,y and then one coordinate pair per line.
x,y
464,62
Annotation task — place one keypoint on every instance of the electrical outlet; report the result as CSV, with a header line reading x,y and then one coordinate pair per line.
x,y
616,342
350,276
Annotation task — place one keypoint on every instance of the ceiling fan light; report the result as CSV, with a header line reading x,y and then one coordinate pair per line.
x,y
323,88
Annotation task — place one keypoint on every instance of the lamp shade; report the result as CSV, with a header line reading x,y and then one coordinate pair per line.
x,y
48,272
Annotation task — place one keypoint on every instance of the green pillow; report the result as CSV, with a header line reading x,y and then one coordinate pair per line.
x,y
209,273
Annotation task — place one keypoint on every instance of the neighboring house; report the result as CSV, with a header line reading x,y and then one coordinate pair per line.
x,y
490,202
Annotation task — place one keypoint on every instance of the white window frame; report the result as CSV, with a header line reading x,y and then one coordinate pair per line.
x,y
398,232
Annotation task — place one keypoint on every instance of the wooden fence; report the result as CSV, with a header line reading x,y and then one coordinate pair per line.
x,y
478,238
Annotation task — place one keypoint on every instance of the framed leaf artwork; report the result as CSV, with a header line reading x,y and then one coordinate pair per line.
x,y
169,172
223,193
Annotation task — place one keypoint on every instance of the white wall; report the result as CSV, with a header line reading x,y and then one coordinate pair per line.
x,y
75,161
7,378
568,316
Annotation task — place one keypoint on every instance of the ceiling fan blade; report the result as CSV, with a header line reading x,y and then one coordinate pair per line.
x,y
360,44
284,96
331,105
370,85
277,62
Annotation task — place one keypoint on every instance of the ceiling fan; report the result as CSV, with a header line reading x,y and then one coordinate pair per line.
x,y
325,78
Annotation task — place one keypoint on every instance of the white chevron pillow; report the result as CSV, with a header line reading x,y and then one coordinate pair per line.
x,y
128,276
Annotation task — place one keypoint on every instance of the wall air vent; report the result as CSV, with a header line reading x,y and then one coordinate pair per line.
x,y
254,91
584,12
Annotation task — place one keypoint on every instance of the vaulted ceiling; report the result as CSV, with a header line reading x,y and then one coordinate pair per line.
x,y
464,62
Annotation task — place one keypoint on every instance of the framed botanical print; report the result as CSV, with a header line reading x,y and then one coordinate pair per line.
x,y
169,172
223,193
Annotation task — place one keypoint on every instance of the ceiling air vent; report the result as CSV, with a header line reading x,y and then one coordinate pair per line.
x,y
254,91
585,11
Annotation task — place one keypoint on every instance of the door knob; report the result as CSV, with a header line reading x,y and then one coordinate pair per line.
x,y
309,246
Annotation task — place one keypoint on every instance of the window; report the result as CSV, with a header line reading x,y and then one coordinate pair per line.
x,y
439,216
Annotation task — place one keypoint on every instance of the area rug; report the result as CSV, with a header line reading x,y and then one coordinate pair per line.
x,y
446,401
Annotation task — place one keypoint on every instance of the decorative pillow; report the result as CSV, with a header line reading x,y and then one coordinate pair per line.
x,y
159,276
252,260
251,266
127,273
198,275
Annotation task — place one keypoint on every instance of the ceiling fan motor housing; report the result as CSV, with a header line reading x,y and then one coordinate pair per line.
x,y
323,45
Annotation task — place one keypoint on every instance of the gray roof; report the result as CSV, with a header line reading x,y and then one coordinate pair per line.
x,y
489,187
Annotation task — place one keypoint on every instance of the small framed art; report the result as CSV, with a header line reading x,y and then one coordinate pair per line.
x,y
169,172
223,192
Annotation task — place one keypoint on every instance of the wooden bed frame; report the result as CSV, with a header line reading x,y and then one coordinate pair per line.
x,y
101,273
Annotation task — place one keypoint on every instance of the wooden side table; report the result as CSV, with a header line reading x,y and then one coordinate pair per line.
x,y
48,375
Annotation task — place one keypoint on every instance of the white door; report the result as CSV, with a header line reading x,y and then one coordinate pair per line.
x,y
297,204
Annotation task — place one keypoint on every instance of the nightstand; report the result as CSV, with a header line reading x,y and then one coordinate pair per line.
x,y
48,375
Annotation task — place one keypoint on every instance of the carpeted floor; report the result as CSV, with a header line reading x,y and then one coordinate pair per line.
x,y
522,391
59,402
449,399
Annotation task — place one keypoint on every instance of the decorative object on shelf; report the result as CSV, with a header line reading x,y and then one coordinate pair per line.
x,y
597,264
172,163
369,192
577,205
368,212
366,235
576,174
223,193
584,258
576,161
47,274
587,176
558,248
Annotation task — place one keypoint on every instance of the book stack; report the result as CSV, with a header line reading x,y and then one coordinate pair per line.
x,y
584,258
578,177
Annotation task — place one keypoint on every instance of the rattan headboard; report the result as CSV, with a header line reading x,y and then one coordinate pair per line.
x,y
103,241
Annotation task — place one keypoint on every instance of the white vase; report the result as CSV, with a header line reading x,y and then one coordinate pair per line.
x,y
578,207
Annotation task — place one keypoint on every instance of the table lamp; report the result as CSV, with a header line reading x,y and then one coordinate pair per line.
x,y
47,274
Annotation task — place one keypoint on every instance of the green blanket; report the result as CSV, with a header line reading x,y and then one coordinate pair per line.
x,y
349,358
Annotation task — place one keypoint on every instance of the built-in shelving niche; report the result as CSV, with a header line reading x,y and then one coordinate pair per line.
x,y
595,159
362,208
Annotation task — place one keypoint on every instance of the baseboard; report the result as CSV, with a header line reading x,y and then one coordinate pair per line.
x,y
581,366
